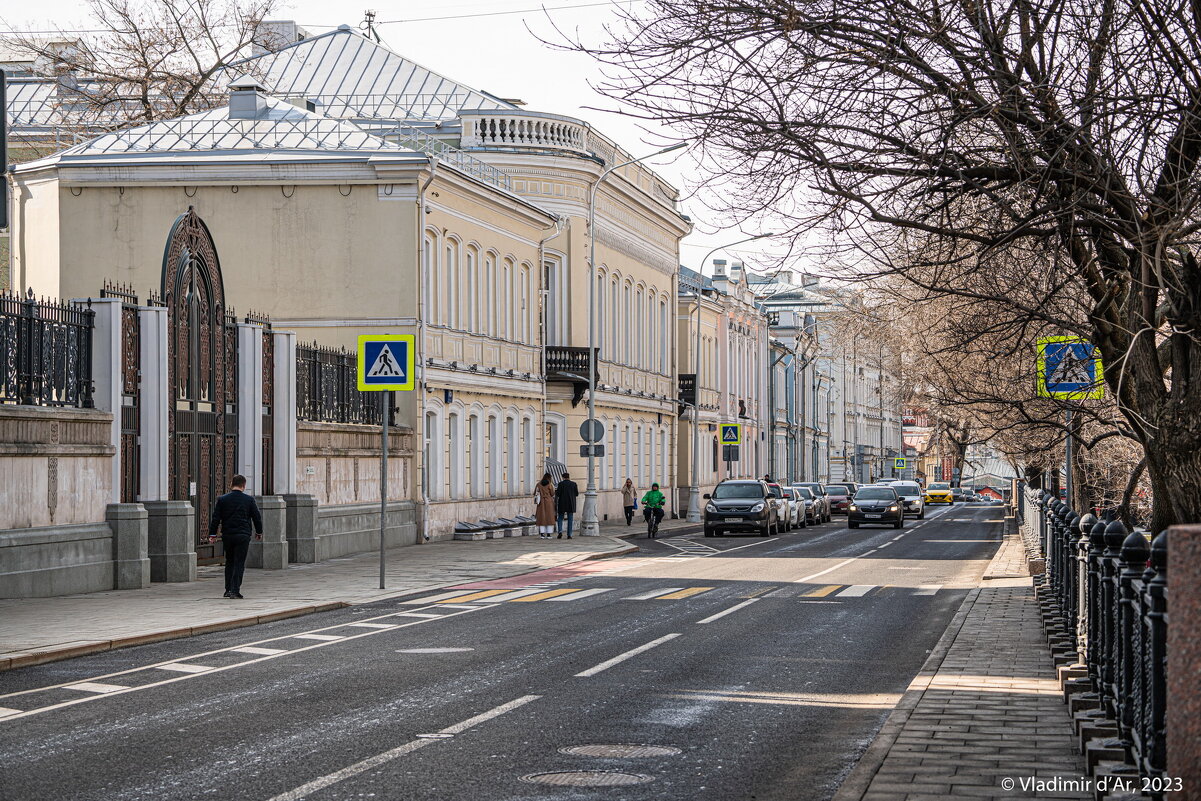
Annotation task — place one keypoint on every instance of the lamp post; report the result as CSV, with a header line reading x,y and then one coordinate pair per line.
x,y
694,488
590,525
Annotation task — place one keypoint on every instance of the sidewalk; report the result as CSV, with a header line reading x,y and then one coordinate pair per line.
x,y
985,710
36,630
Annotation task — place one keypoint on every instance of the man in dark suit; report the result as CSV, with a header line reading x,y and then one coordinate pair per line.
x,y
235,512
565,496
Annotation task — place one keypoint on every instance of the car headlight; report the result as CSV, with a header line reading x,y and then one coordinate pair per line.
x,y
710,508
853,508
894,508
757,507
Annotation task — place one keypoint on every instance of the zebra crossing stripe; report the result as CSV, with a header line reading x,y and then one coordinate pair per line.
x,y
856,591
475,596
928,589
581,594
646,596
822,592
542,596
513,596
686,593
434,599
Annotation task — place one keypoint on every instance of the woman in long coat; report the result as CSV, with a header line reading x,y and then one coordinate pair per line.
x,y
629,499
544,516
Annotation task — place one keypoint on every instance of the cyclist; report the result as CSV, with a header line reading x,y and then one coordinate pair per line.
x,y
652,509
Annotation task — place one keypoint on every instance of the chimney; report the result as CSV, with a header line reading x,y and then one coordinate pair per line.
x,y
247,100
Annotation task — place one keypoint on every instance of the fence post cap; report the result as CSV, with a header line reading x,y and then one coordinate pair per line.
x,y
1135,550
1087,522
1073,520
1115,535
1096,537
1159,553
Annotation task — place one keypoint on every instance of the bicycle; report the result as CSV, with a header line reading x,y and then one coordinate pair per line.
x,y
652,521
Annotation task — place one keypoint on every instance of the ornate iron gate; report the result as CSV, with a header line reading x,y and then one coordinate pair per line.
x,y
130,376
202,370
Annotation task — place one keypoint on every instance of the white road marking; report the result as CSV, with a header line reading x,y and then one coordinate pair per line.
x,y
435,598
433,650
581,594
250,649
464,606
373,625
856,591
533,590
723,613
646,596
5,711
906,568
617,660
179,667
928,589
820,573
381,759
328,637
96,687
416,614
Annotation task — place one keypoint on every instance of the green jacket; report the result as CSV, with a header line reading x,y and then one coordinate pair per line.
x,y
654,500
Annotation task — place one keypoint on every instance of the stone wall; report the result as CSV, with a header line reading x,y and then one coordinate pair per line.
x,y
1184,659
55,466
339,464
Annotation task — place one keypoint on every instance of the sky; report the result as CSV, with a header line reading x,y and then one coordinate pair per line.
x,y
497,52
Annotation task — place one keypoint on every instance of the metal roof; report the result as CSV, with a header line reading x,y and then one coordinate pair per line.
x,y
352,77
278,126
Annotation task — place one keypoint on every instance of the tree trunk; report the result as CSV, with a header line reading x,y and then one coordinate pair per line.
x,y
1174,467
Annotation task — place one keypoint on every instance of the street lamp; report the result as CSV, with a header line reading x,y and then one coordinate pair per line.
x,y
694,488
590,526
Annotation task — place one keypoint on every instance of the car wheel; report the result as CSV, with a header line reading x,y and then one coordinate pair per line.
x,y
765,531
922,514
900,523
710,533
852,525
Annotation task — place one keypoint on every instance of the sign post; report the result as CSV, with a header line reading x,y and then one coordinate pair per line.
x,y
386,362
730,437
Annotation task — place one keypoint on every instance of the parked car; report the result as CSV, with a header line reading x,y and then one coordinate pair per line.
x,y
783,507
810,504
957,493
839,495
939,493
876,504
797,509
741,505
824,513
911,497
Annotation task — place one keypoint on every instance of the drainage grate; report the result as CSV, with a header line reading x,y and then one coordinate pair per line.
x,y
587,778
620,751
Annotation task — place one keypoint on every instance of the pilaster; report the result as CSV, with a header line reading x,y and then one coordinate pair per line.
x,y
250,405
283,416
154,399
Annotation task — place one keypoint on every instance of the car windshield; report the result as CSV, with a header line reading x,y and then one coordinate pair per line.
x,y
943,487
875,494
804,492
726,491
787,493
838,489
775,490
907,489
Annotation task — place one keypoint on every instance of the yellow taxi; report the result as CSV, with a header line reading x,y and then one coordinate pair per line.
x,y
939,493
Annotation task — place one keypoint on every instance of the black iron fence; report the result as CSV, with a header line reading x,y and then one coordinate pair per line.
x,y
1106,588
327,387
45,352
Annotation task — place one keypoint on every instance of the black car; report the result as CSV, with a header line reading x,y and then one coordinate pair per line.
x,y
876,505
741,506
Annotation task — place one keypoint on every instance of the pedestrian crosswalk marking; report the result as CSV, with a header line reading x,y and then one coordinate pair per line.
x,y
254,649
373,625
415,614
542,596
434,599
856,591
316,637
581,594
757,593
513,596
180,667
646,596
96,687
475,596
928,589
822,592
6,711
687,593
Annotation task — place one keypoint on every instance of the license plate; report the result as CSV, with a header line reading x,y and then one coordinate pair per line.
x,y
734,520
873,517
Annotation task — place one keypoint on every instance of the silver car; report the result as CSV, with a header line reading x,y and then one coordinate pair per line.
x,y
823,511
797,507
912,497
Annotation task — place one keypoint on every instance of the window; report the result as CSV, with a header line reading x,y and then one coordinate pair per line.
x,y
453,283
506,311
512,478
531,461
433,450
627,452
601,324
665,335
430,294
476,450
633,321
490,294
525,303
618,480
615,318
557,309
474,297
495,448
455,424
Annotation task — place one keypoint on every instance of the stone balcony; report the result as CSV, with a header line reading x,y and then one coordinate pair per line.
x,y
524,130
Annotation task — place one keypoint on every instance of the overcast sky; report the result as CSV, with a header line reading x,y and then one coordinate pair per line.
x,y
483,49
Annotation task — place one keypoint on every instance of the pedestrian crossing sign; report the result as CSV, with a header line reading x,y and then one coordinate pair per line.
x,y
899,463
1070,368
386,361
731,433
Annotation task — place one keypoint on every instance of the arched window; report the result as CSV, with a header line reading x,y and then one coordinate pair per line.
x,y
614,451
531,458
490,299
473,296
557,307
506,310
664,467
513,477
496,447
434,448
665,335
454,422
601,322
524,333
476,451
627,453
654,457
615,320
453,283
628,322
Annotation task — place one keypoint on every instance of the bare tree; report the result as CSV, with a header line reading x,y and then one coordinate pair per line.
x,y
1062,134
145,60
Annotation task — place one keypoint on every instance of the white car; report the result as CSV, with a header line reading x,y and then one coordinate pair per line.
x,y
797,507
912,497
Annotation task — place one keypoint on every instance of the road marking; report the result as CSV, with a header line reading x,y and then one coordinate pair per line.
x,y
686,593
820,573
928,589
723,613
373,625
433,650
475,596
179,667
445,605
327,637
582,594
96,687
856,591
309,788
906,568
617,660
646,596
435,599
542,596
757,593
822,592
512,596
6,711
416,614
251,649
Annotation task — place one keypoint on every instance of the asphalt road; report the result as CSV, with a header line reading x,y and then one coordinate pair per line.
x,y
758,668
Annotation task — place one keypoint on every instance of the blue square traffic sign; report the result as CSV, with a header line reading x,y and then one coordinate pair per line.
x,y
386,362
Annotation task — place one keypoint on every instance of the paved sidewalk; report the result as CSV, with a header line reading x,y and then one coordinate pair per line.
x,y
37,630
985,710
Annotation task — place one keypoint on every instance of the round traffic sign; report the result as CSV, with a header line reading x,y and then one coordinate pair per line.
x,y
592,430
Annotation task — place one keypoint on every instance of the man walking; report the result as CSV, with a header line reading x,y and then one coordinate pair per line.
x,y
565,495
235,512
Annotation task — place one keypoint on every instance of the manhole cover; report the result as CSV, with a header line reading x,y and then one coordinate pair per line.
x,y
587,778
622,751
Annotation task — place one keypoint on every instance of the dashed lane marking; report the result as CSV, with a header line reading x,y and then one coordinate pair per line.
x,y
856,591
822,592
617,660
686,593
326,637
251,649
180,667
96,687
373,625
418,614
5,711
725,612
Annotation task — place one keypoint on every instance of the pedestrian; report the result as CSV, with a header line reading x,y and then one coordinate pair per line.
x,y
629,499
235,512
767,478
652,504
565,496
544,515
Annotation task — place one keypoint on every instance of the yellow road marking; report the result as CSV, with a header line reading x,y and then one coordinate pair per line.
x,y
542,596
475,596
823,591
675,596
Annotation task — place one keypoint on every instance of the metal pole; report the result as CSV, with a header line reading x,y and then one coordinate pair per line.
x,y
386,402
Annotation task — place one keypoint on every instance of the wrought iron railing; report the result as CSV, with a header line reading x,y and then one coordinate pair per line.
x,y
1105,595
688,389
45,352
327,388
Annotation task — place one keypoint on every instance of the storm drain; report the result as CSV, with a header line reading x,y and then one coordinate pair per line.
x,y
587,778
622,751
